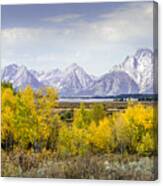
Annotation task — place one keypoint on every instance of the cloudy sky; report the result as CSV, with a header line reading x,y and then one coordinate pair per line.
x,y
95,36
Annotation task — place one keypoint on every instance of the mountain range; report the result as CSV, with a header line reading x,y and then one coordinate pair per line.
x,y
134,75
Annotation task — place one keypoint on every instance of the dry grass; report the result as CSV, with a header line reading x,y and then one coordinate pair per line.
x,y
106,166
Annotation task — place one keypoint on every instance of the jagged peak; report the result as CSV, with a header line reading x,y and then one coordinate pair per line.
x,y
11,66
72,67
142,52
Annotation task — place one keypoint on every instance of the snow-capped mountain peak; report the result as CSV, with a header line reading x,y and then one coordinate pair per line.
x,y
20,77
140,68
9,72
74,79
72,67
143,52
134,75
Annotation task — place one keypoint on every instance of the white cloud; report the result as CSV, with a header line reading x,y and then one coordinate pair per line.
x,y
122,24
108,39
127,24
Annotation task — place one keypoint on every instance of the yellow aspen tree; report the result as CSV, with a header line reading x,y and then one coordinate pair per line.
x,y
8,108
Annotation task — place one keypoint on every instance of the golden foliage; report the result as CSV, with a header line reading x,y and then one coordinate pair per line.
x,y
28,116
101,136
29,119
136,128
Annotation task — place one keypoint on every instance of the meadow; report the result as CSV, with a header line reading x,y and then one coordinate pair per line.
x,y
41,137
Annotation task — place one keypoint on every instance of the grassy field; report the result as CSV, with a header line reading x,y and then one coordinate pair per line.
x,y
110,107
100,166
119,105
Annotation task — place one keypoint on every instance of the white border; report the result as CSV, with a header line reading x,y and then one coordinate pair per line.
x,y
43,181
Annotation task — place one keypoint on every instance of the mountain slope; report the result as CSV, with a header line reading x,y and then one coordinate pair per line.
x,y
20,77
140,68
113,83
74,80
51,78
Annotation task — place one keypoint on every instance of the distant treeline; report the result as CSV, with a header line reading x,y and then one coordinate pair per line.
x,y
121,97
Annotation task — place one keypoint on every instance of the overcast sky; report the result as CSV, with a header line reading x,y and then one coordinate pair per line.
x,y
95,36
